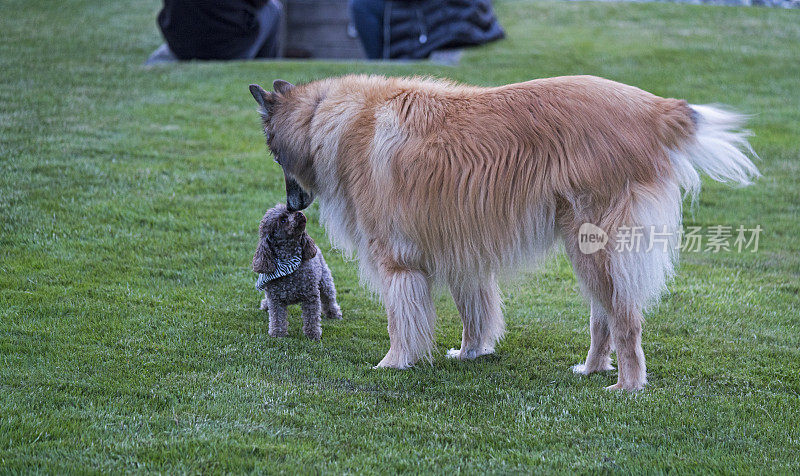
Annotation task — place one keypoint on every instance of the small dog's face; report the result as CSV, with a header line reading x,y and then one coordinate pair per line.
x,y
281,234
279,225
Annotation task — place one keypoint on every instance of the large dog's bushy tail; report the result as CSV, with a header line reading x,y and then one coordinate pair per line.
x,y
718,147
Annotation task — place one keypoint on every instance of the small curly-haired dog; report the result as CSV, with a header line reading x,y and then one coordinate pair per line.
x,y
291,271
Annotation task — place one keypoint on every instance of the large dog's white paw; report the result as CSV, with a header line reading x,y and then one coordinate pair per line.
x,y
628,386
468,354
584,369
392,361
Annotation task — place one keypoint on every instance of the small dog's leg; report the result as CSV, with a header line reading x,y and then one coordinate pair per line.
x,y
311,310
278,319
599,357
327,293
264,303
411,314
480,307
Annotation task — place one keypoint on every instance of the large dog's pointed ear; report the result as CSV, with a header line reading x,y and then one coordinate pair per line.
x,y
282,87
309,247
265,99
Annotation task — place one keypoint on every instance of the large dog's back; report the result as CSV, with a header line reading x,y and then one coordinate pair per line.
x,y
579,132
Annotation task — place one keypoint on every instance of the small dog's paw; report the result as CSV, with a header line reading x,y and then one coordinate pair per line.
x,y
264,305
274,333
334,315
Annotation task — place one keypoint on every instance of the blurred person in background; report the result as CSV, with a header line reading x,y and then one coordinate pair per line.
x,y
218,30
413,29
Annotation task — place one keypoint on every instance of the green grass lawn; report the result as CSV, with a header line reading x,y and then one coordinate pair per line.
x,y
130,337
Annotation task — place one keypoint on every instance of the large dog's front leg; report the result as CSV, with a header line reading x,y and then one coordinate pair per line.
x,y
480,307
406,294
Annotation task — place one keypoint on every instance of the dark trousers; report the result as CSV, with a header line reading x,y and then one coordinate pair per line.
x,y
368,18
267,44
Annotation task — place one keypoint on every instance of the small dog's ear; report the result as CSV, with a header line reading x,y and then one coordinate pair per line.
x,y
282,87
309,247
265,99
264,259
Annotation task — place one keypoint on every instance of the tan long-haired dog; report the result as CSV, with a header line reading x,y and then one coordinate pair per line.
x,y
433,182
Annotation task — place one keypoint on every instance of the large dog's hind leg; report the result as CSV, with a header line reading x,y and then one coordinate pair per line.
x,y
599,357
626,333
627,273
602,276
480,307
594,281
638,275
406,294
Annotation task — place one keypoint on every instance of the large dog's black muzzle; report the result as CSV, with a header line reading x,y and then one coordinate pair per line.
x,y
296,198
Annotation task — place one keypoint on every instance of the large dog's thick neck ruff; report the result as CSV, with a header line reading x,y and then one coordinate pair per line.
x,y
284,267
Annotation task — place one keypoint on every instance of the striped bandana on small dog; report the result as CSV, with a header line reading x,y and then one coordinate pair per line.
x,y
284,268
